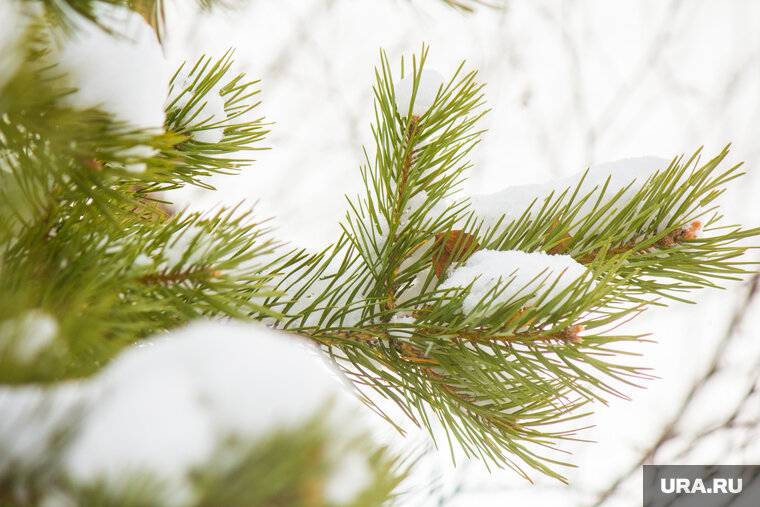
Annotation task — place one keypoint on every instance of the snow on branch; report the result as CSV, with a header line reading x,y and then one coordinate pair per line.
x,y
212,114
494,278
166,407
123,73
619,182
417,93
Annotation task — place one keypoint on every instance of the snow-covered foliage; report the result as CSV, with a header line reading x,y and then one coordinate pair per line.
x,y
165,407
32,420
206,113
419,204
430,83
498,277
193,402
624,177
123,73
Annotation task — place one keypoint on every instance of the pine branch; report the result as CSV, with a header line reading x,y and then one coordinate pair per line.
x,y
133,278
655,228
196,99
402,301
78,222
499,373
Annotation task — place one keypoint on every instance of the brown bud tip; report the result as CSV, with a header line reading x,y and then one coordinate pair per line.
x,y
692,229
571,334
452,246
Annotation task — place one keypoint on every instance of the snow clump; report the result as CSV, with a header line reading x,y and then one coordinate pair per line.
x,y
627,176
427,91
207,114
500,277
124,73
165,408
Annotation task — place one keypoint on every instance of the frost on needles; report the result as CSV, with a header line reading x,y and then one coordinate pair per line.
x,y
494,317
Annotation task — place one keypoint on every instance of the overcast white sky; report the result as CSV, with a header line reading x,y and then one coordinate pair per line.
x,y
569,84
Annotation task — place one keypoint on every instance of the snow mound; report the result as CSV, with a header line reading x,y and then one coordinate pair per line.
x,y
164,407
505,276
124,74
427,90
627,176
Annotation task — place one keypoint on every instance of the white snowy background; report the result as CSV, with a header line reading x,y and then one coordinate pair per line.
x,y
570,84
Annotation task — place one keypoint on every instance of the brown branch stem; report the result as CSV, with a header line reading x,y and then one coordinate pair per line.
x,y
188,275
634,246
390,292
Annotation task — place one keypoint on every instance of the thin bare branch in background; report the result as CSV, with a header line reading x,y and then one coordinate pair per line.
x,y
670,432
